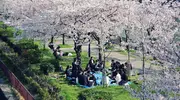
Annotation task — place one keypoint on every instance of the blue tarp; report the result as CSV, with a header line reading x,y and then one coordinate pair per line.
x,y
98,76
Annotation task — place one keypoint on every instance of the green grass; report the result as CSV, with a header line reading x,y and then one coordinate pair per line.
x,y
69,92
65,46
47,54
67,60
73,92
125,52
39,43
178,69
112,93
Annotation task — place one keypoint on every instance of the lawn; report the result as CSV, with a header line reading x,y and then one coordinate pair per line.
x,y
65,46
38,83
75,92
111,93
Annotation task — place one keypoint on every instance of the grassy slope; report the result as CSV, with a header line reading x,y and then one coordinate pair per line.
x,y
71,92
117,92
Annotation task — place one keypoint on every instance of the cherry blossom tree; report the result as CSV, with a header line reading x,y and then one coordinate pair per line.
x,y
154,30
150,24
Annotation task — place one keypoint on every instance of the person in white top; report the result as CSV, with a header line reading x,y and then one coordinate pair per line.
x,y
105,79
118,78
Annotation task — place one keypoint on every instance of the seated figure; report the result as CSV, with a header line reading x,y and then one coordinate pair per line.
x,y
92,80
124,79
83,79
105,80
68,71
118,78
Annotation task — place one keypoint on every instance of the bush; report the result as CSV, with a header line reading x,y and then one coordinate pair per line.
x,y
35,88
91,94
32,55
30,51
27,44
46,67
55,62
6,30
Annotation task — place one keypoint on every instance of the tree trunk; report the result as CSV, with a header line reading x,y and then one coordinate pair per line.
x,y
100,50
44,45
143,60
63,39
52,39
128,53
89,50
143,68
78,53
100,55
78,49
127,46
119,38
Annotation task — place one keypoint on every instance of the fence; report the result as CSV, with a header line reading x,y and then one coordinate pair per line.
x,y
16,83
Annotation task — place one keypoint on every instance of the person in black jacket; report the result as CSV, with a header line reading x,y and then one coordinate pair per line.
x,y
113,65
124,79
117,65
92,80
83,79
67,71
74,68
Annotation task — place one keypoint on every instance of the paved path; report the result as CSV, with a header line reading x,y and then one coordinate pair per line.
x,y
136,61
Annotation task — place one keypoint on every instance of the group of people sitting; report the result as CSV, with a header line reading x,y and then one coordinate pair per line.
x,y
56,51
118,73
77,75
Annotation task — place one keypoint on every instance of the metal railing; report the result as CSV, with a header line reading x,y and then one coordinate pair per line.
x,y
16,83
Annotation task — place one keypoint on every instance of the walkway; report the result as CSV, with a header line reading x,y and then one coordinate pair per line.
x,y
136,61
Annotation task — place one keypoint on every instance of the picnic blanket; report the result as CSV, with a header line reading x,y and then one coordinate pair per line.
x,y
99,76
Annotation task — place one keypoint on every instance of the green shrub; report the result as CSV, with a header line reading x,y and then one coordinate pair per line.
x,y
35,88
91,94
34,56
27,44
30,51
46,67
6,30
55,63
